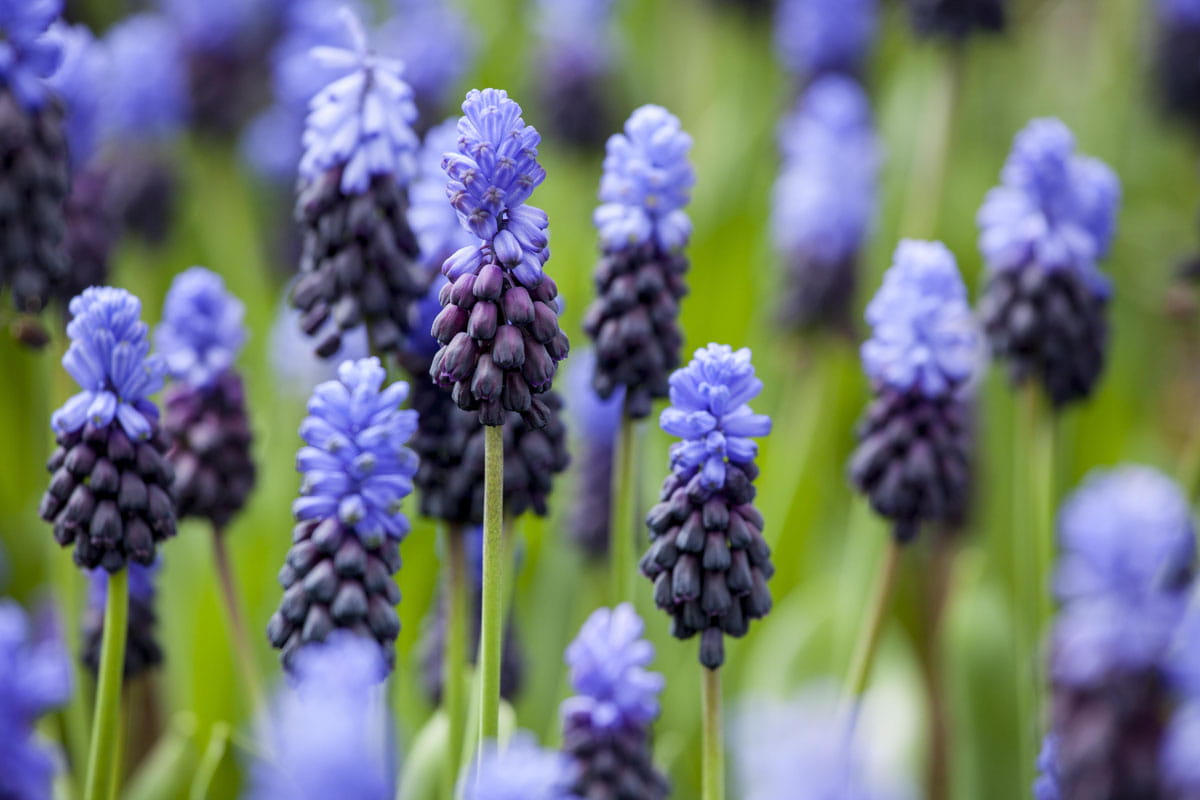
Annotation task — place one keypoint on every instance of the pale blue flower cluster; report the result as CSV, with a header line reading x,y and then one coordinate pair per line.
x,y
202,329
608,661
818,36
28,52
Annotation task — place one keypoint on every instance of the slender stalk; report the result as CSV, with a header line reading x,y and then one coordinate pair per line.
x,y
1042,430
923,200
868,632
491,621
237,625
454,654
108,692
620,553
937,591
712,773
119,756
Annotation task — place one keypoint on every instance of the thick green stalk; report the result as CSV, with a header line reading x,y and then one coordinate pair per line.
x,y
872,626
454,654
622,561
712,772
491,621
108,692
237,625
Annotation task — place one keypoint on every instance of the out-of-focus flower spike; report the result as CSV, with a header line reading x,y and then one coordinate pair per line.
x,y
595,421
816,37
518,770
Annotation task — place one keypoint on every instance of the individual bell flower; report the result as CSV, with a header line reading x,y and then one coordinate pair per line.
x,y
1177,58
1042,233
707,557
576,52
914,443
518,770
595,421
205,417
322,736
634,320
349,523
817,37
606,724
955,20
359,260
824,200
142,650
501,341
110,493
35,677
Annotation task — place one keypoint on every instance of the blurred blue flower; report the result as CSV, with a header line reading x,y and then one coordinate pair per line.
x,y
709,410
436,44
518,771
221,25
35,676
817,36
202,328
923,334
491,176
78,81
109,357
1053,210
28,54
597,418
293,361
1179,12
146,97
1045,787
322,733
647,181
355,463
575,36
608,661
430,215
1181,742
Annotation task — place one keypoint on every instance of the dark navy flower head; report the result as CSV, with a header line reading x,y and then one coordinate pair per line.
x,y
109,357
816,36
202,329
709,410
1054,209
35,676
647,182
520,770
146,95
77,81
28,54
355,465
608,663
923,336
361,122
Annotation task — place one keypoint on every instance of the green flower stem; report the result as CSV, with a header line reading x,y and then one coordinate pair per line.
x,y
492,621
237,624
713,765
102,752
872,626
923,202
621,557
454,655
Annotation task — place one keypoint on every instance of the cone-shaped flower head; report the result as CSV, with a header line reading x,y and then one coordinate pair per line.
x,y
322,732
28,54
957,19
595,420
109,357
647,182
361,123
35,677
518,771
923,335
146,99
501,341
142,651
824,199
202,329
78,82
820,36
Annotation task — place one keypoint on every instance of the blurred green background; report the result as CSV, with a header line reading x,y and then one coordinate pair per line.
x,y
1085,61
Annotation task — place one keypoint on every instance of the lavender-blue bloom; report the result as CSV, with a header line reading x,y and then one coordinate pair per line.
x,y
35,676
1179,11
221,25
923,336
78,81
608,661
203,328
520,770
324,734
1045,787
109,357
647,182
146,95
293,362
709,410
817,36
575,34
1181,743
28,55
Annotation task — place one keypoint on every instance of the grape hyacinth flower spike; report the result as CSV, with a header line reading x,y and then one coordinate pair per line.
x,y
913,455
359,260
634,320
519,770
34,189
820,37
606,725
955,20
1042,233
142,651
345,546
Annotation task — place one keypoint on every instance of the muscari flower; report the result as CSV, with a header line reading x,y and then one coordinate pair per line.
x,y
205,418
707,557
359,260
634,319
814,37
110,490
322,731
913,454
1177,57
142,651
1042,233
606,723
294,364
356,471
576,49
501,341
1127,547
27,55
957,19
81,72
824,200
1045,786
35,677
520,770
595,421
